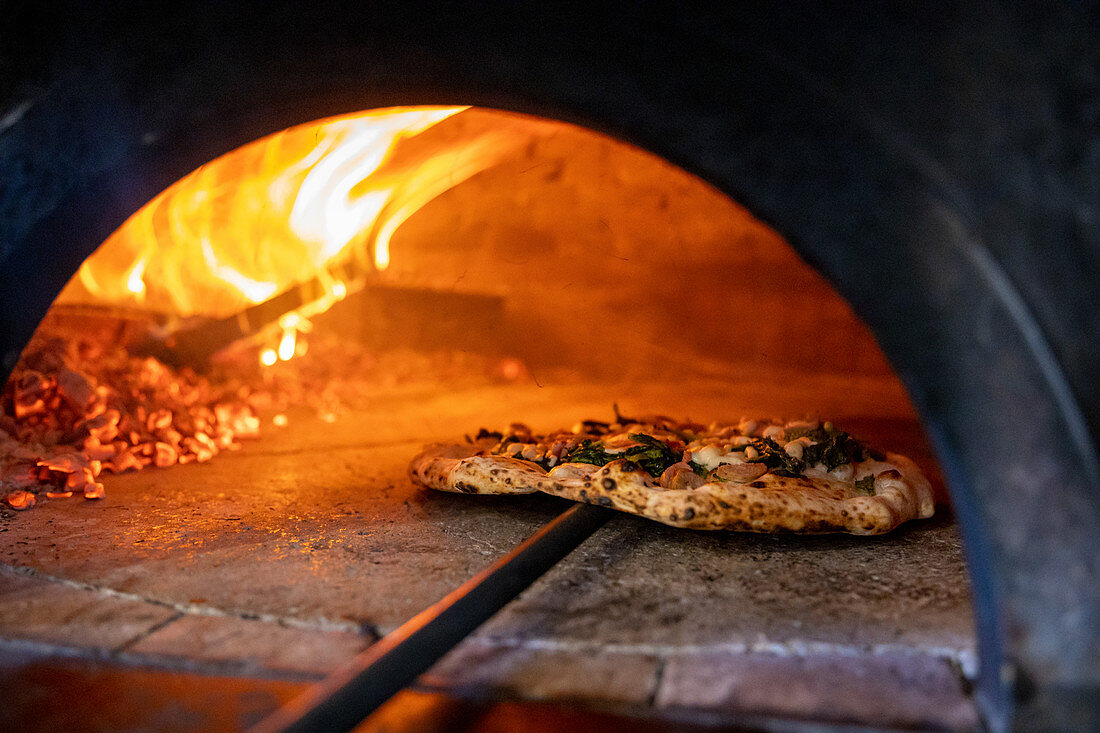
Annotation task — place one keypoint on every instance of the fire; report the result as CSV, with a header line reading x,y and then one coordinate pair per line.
x,y
134,282
283,210
286,345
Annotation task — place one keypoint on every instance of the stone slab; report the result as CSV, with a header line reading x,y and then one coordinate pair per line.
x,y
251,647
645,587
480,670
46,612
907,691
342,542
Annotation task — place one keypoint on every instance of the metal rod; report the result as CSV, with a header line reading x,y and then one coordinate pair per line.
x,y
349,695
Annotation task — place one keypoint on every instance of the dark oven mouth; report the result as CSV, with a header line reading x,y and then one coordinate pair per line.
x,y
442,268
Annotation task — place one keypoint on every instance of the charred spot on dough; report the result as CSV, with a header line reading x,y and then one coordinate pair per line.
x,y
465,488
603,501
494,472
584,495
689,513
629,466
609,484
756,485
508,480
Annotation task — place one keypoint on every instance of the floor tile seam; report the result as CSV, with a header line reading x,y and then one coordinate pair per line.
x,y
657,683
962,657
37,650
146,633
191,609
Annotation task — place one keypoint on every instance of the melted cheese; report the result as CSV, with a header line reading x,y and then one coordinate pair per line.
x,y
712,456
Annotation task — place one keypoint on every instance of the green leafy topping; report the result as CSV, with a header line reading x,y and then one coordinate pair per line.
x,y
587,451
652,455
778,461
699,469
838,449
866,485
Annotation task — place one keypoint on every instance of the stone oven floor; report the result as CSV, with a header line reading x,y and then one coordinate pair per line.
x,y
202,596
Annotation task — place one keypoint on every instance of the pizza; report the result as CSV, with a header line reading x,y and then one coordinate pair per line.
x,y
755,475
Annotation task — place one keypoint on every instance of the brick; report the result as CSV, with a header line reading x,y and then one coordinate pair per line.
x,y
887,690
252,646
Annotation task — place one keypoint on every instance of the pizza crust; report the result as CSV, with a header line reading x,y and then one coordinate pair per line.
x,y
812,503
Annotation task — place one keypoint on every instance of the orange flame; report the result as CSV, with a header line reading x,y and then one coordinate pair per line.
x,y
276,212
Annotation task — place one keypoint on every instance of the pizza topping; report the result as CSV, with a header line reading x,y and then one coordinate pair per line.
x,y
799,449
653,455
711,456
681,476
836,450
756,475
591,427
698,468
738,473
866,485
483,434
772,455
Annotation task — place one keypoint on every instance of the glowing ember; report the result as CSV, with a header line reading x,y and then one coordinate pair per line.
x,y
304,199
75,409
69,413
20,499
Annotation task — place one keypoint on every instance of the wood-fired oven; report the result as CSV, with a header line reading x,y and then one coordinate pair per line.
x,y
886,216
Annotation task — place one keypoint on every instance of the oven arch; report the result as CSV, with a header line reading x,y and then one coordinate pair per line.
x,y
806,117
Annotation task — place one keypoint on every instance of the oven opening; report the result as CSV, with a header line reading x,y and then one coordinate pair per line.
x,y
240,374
